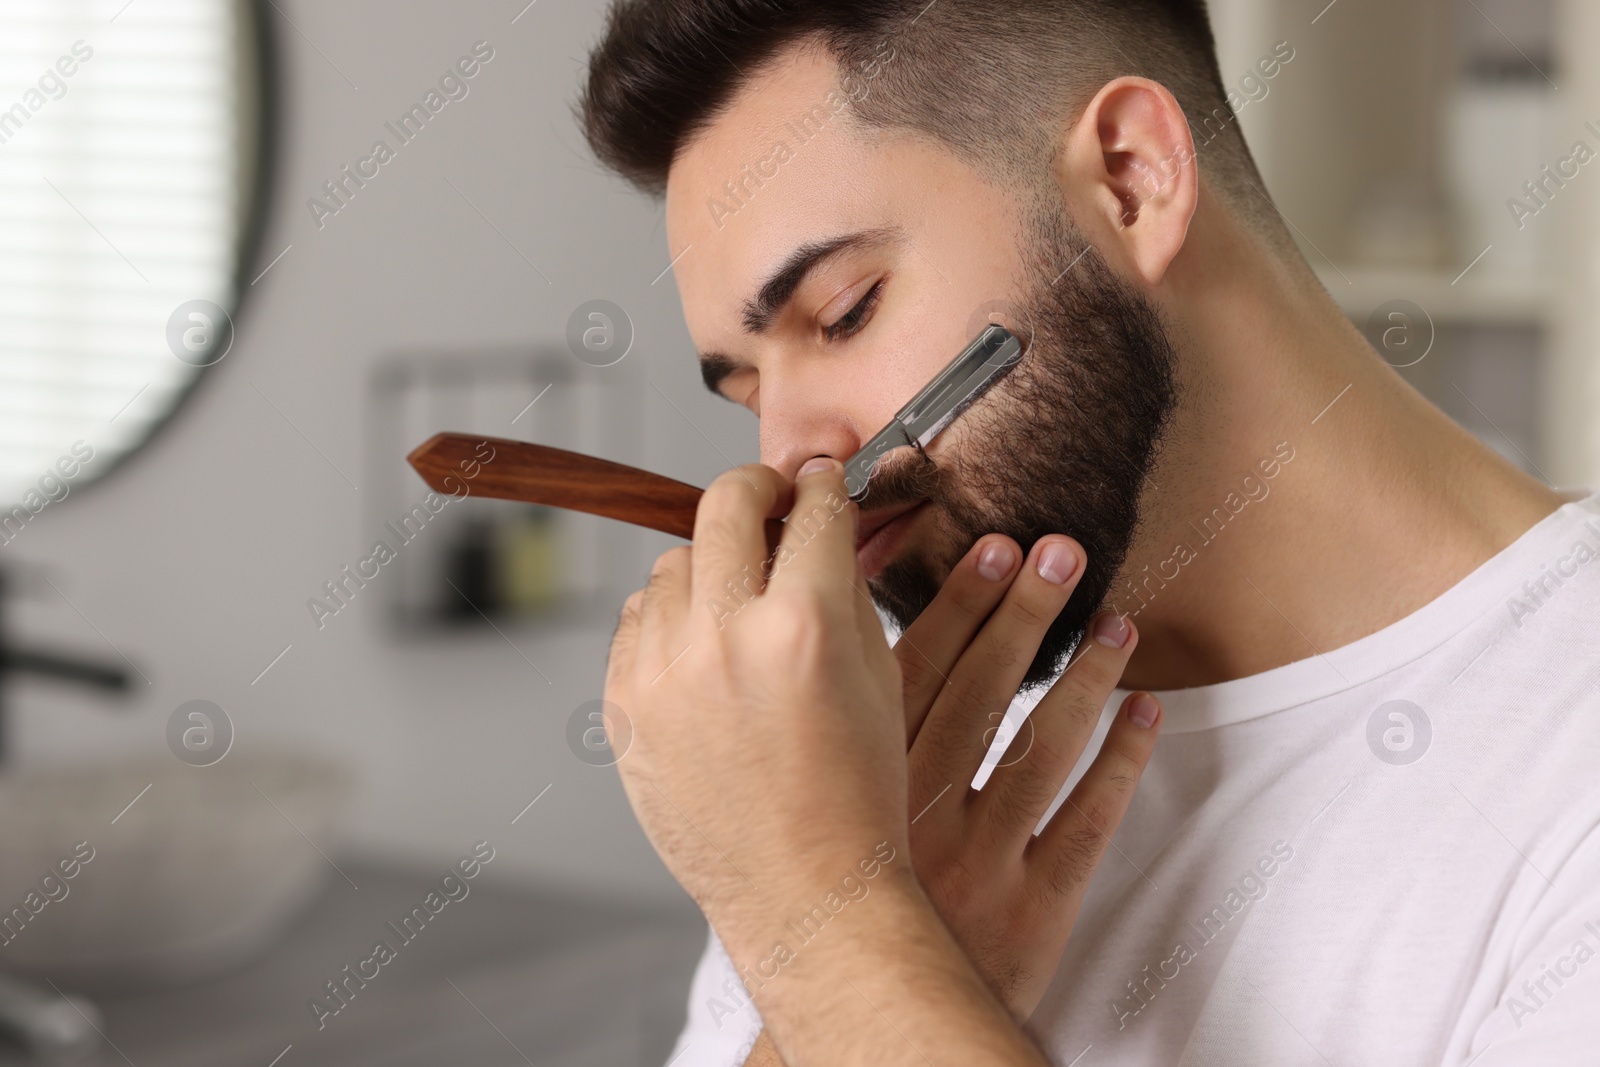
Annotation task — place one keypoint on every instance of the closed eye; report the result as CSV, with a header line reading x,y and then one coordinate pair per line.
x,y
852,320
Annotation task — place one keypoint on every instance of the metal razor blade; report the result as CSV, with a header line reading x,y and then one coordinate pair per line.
x,y
968,376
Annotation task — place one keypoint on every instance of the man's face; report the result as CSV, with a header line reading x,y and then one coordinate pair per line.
x,y
832,271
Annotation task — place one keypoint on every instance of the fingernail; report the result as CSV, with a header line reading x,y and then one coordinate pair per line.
x,y
996,561
1112,630
817,463
1143,710
1057,563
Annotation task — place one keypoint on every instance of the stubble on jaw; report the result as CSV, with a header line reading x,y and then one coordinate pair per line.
x,y
1063,444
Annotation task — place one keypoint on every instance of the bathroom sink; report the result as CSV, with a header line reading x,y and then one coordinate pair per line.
x,y
518,972
176,872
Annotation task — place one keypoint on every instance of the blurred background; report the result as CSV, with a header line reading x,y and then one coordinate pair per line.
x,y
225,317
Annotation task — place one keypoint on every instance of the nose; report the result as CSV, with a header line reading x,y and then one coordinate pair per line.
x,y
794,430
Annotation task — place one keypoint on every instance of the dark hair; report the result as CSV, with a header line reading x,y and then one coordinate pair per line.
x,y
993,80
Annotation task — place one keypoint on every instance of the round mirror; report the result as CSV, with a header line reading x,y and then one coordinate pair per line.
x,y
132,146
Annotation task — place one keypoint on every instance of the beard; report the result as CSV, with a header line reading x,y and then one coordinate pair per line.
x,y
1062,444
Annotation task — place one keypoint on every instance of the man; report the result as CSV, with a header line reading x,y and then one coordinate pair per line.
x,y
1369,833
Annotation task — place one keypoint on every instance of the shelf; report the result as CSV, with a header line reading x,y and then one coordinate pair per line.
x,y
1478,297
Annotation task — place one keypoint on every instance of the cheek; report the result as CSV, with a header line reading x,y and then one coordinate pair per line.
x,y
976,446
894,360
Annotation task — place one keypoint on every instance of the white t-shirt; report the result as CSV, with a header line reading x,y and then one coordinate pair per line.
x,y
1386,854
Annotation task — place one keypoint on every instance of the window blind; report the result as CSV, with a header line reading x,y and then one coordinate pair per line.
x,y
121,168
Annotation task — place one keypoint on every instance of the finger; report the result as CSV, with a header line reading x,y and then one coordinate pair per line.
x,y
1036,765
730,543
624,643
1067,851
953,738
818,544
931,645
665,603
868,623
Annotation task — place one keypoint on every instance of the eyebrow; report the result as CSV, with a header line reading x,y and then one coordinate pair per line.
x,y
780,286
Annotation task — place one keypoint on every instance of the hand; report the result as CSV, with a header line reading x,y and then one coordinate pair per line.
x,y
1010,898
768,753
768,764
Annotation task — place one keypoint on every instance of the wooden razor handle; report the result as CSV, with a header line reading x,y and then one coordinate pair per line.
x,y
466,464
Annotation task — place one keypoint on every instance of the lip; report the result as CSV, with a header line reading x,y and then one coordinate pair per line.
x,y
881,532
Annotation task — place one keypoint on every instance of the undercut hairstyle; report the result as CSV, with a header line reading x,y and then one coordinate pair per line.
x,y
995,81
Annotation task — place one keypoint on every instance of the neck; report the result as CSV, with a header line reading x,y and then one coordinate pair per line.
x,y
1306,495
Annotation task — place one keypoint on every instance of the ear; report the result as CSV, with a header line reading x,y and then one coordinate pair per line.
x,y
1128,168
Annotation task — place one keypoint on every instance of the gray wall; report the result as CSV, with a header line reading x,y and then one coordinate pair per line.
x,y
197,557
